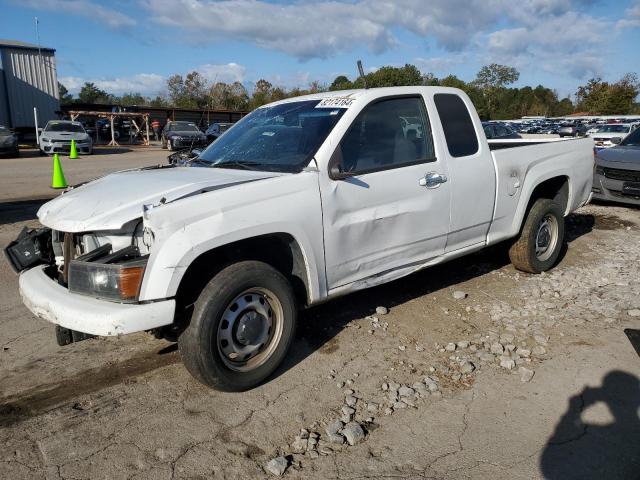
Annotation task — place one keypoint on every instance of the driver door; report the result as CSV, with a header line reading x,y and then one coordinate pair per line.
x,y
387,205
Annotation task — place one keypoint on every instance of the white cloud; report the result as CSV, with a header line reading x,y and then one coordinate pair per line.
x,y
84,8
631,17
145,83
441,65
152,83
228,73
322,29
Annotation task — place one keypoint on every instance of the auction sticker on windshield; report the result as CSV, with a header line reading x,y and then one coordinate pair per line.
x,y
335,102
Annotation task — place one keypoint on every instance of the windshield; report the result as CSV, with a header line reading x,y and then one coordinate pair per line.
x,y
633,139
281,138
183,127
613,129
64,127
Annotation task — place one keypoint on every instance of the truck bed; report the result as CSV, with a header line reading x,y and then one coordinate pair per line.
x,y
523,142
522,164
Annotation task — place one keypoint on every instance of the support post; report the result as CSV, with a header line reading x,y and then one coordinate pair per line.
x,y
146,124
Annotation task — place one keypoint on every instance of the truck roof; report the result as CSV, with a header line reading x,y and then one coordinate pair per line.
x,y
363,92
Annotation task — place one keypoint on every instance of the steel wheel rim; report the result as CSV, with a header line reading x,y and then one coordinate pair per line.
x,y
250,329
546,237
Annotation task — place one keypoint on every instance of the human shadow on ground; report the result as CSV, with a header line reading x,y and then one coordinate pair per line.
x,y
585,451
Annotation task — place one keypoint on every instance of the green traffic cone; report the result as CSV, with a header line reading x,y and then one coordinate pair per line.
x,y
74,151
58,180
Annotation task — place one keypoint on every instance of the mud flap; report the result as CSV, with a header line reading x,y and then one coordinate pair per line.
x,y
66,336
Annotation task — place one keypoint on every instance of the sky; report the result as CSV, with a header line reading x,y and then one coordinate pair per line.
x,y
133,46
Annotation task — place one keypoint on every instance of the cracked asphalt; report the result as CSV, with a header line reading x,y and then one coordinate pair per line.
x,y
125,408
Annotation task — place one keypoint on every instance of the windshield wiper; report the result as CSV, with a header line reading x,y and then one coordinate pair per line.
x,y
236,164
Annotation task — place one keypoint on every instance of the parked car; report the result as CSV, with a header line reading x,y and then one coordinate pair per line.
x,y
573,130
611,134
617,171
177,135
215,130
8,143
57,135
497,131
303,200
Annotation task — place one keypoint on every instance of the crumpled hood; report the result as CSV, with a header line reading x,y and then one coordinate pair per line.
x,y
621,154
113,200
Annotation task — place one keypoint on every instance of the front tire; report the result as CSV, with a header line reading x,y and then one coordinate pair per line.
x,y
242,326
541,240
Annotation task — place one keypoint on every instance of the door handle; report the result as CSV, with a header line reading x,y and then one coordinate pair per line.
x,y
432,180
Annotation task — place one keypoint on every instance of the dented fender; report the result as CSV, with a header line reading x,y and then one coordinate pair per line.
x,y
186,229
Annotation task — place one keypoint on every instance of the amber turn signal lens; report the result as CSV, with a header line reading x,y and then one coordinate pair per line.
x,y
130,280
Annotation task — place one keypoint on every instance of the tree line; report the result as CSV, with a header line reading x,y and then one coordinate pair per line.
x,y
490,91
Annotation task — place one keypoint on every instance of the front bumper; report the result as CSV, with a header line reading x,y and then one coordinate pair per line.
x,y
48,300
611,190
65,147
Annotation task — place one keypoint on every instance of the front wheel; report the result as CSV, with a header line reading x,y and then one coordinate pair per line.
x,y
241,328
541,240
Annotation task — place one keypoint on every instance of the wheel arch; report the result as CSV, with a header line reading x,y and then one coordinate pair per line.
x,y
554,187
280,250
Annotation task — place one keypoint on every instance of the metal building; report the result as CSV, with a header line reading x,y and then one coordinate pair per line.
x,y
28,79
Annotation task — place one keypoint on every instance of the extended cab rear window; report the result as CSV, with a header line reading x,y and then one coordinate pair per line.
x,y
457,125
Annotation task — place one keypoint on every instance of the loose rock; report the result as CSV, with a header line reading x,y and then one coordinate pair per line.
x,y
538,350
277,466
526,374
353,433
459,295
634,313
382,310
467,367
334,427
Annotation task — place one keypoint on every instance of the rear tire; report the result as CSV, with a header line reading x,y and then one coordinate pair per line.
x,y
242,326
541,239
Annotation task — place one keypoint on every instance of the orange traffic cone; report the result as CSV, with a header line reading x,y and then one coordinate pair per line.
x,y
58,180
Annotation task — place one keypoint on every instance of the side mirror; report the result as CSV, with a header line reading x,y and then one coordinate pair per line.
x,y
335,166
616,140
336,173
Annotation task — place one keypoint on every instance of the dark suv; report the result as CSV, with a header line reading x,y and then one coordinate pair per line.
x,y
178,135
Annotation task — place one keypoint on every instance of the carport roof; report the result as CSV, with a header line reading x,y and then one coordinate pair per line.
x,y
25,45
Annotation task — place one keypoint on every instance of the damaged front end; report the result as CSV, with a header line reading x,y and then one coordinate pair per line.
x,y
105,265
108,265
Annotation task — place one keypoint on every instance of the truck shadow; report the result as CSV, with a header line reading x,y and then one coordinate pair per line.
x,y
317,326
579,450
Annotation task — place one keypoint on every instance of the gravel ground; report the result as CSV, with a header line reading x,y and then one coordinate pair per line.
x,y
466,370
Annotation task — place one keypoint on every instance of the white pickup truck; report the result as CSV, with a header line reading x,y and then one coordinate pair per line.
x,y
303,200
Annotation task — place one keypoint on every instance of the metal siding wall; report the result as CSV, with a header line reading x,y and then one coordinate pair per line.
x,y
4,107
31,83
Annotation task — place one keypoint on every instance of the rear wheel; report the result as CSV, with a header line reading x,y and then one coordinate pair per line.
x,y
541,240
241,328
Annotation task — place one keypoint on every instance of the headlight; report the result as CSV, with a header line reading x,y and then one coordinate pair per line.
x,y
45,139
120,282
176,137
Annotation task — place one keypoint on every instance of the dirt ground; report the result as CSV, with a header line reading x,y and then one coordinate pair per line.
x,y
125,408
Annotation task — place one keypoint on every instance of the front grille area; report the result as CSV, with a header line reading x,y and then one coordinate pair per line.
x,y
624,175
